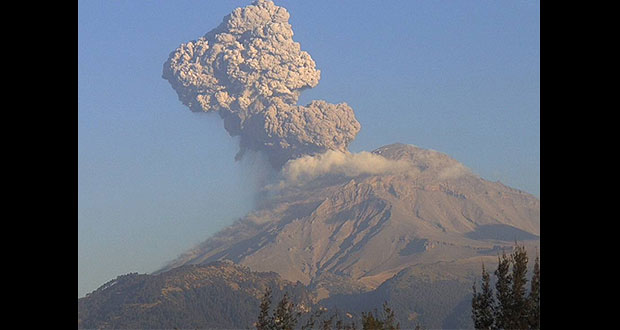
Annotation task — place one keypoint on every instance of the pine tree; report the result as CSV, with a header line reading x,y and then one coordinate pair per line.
x,y
483,303
534,297
265,322
370,322
388,324
518,302
510,307
285,317
503,293
373,322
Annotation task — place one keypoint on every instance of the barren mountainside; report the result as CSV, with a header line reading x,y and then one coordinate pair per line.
x,y
360,231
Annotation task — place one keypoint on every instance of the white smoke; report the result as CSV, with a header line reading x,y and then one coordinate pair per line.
x,y
307,168
454,171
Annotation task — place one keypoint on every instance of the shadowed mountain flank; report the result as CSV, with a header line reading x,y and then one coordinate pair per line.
x,y
500,232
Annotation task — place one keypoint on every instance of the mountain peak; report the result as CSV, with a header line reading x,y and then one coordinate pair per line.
x,y
431,164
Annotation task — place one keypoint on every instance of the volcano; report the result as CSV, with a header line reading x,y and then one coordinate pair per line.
x,y
347,235
416,239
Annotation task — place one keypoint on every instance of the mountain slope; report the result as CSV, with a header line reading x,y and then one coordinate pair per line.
x,y
360,231
416,239
218,295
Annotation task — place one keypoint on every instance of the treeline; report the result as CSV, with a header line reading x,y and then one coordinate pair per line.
x,y
285,317
509,306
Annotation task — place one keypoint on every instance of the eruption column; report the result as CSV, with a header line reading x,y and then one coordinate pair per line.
x,y
251,72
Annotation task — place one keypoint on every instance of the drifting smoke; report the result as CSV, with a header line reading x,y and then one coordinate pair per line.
x,y
251,72
308,168
454,171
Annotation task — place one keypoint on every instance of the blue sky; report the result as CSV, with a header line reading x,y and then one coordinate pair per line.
x,y
460,77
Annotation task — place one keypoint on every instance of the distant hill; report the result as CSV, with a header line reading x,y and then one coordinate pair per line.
x,y
218,295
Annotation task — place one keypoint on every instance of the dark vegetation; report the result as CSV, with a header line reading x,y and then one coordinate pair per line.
x,y
509,306
285,317
225,298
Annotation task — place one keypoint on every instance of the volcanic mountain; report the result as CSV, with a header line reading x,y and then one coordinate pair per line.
x,y
343,234
345,230
415,237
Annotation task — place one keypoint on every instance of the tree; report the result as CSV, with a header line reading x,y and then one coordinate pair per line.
x,y
503,294
483,304
509,307
518,316
373,322
265,322
285,318
534,297
370,322
388,324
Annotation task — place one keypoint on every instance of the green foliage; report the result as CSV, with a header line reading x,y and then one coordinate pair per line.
x,y
510,307
483,305
504,282
283,318
388,324
518,302
265,321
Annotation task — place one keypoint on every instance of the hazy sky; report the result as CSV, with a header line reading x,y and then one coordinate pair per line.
x,y
154,179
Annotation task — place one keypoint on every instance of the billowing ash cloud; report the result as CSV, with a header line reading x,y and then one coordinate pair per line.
x,y
251,72
307,168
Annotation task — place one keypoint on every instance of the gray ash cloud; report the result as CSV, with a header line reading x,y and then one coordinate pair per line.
x,y
251,72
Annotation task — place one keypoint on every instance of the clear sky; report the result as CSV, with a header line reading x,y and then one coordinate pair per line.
x,y
154,179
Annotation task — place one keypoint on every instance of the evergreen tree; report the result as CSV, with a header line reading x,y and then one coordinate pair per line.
x,y
518,301
534,297
388,324
285,318
510,307
370,322
483,303
503,293
265,322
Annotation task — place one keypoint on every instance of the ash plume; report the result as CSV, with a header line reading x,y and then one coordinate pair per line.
x,y
251,72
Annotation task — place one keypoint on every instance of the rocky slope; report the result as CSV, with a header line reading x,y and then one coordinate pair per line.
x,y
360,231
